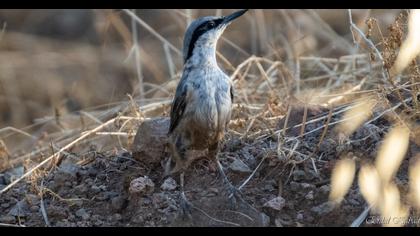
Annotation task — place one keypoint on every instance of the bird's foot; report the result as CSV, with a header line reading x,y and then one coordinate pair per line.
x,y
234,195
186,207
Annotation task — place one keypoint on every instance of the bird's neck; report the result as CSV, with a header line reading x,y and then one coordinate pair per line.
x,y
204,54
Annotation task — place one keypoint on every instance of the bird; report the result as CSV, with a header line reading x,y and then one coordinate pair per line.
x,y
203,100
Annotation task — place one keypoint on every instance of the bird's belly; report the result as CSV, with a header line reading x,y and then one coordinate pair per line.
x,y
206,121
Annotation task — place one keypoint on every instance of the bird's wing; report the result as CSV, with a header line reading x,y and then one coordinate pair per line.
x,y
178,106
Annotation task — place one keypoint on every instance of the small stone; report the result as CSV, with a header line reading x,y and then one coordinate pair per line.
x,y
325,189
34,208
278,223
294,186
21,209
299,216
310,195
276,203
214,190
117,217
307,186
95,189
150,141
117,203
92,172
82,213
138,219
265,220
5,205
80,189
67,184
102,187
8,219
239,166
13,174
299,175
323,209
142,185
69,168
169,184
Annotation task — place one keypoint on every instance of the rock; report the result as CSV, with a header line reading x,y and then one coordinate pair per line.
x,y
239,166
57,212
169,184
117,217
276,203
278,223
12,174
21,209
80,189
5,205
299,216
34,208
310,195
138,219
265,220
117,203
294,186
69,168
150,141
8,219
92,172
142,185
308,186
82,214
95,189
325,189
323,209
299,175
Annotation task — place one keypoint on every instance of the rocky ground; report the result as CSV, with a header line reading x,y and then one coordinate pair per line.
x,y
120,188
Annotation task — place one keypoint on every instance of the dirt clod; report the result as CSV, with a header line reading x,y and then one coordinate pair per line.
x,y
142,185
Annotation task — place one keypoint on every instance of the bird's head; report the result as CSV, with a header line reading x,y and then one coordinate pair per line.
x,y
205,31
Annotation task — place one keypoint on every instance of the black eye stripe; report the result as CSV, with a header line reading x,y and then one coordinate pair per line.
x,y
201,29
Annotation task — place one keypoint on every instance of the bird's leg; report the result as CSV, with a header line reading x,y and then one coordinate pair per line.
x,y
185,204
179,149
233,191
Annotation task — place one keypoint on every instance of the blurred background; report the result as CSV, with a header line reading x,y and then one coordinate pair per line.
x,y
55,62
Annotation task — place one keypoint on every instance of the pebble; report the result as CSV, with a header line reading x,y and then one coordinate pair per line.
x,y
310,195
5,205
299,216
299,175
95,189
34,208
8,219
82,213
21,209
294,186
169,184
239,166
276,203
323,208
117,203
325,189
142,185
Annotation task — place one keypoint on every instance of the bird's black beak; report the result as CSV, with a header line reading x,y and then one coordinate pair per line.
x,y
233,16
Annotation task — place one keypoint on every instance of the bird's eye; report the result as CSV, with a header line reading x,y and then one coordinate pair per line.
x,y
212,24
